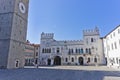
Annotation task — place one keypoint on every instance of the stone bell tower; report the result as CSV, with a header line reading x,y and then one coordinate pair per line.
x,y
13,30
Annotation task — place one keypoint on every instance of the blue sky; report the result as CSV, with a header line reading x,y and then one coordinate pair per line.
x,y
67,18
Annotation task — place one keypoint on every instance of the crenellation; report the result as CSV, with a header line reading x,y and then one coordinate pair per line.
x,y
91,32
47,35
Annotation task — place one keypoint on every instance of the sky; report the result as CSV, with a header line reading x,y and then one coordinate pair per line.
x,y
68,18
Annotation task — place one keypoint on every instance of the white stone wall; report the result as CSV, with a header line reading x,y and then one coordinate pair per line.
x,y
112,47
95,46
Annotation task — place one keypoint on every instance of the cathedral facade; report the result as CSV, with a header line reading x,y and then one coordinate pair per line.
x,y
88,51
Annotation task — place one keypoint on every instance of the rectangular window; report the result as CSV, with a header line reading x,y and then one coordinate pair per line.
x,y
117,60
76,51
72,59
58,50
111,36
89,51
119,41
82,50
36,53
108,47
91,39
115,45
112,46
113,60
69,52
66,59
118,31
87,40
86,50
114,34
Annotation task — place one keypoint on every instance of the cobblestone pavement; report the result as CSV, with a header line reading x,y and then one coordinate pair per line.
x,y
98,68
61,73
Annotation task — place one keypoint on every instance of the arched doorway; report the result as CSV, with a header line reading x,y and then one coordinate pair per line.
x,y
57,60
17,63
49,61
81,60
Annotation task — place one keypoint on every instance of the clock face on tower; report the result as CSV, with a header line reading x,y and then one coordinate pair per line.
x,y
22,7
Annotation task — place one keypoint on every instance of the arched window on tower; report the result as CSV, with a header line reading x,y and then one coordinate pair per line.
x,y
92,40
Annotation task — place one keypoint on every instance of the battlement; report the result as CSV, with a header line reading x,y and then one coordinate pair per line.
x,y
91,32
71,41
47,35
67,42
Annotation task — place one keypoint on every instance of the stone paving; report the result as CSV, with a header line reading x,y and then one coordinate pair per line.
x,y
61,73
92,68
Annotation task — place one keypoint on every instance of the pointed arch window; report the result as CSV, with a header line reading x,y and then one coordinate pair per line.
x,y
82,50
66,59
43,50
86,50
72,59
95,59
89,51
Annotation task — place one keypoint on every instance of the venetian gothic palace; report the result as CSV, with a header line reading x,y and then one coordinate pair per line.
x,y
88,51
16,53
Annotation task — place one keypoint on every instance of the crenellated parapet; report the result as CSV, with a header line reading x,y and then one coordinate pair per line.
x,y
71,41
47,35
91,32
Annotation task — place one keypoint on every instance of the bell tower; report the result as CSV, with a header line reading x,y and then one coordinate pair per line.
x,y
13,31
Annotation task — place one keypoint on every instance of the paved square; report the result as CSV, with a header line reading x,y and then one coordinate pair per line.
x,y
61,73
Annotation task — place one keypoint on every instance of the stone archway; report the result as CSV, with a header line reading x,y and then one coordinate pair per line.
x,y
81,60
49,62
57,60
